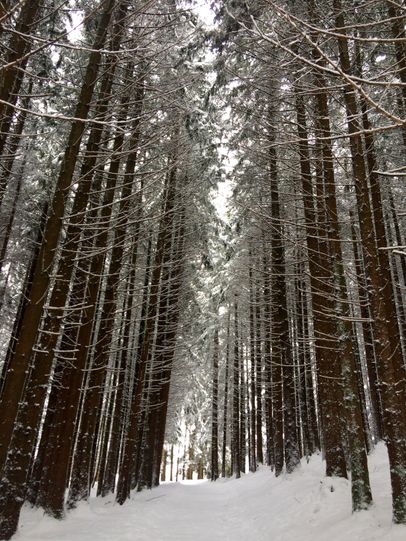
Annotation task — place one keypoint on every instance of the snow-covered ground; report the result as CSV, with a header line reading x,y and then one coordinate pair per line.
x,y
304,506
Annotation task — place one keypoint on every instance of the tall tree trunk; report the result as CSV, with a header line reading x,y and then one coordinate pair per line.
x,y
15,469
214,423
361,491
235,435
242,400
225,407
161,253
390,363
13,69
322,289
252,384
368,338
7,165
268,376
81,473
283,379
258,376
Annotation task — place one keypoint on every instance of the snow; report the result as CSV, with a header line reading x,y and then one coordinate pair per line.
x,y
221,199
302,506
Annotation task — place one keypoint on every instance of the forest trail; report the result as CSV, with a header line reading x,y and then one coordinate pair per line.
x,y
257,507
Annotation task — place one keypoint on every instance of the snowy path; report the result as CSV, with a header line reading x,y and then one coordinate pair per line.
x,y
300,507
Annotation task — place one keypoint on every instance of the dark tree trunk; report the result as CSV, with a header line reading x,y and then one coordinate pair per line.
x,y
269,411
13,69
283,378
387,343
161,253
13,146
15,470
361,492
258,376
367,330
214,424
225,408
81,473
235,435
251,380
322,289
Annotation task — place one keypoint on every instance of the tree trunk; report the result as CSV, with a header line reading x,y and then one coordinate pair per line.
x,y
321,281
235,436
214,423
387,343
225,408
161,253
15,470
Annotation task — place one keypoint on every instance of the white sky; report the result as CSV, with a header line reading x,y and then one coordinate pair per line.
x,y
202,8
221,199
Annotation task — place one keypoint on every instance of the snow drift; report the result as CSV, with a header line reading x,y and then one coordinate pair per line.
x,y
304,506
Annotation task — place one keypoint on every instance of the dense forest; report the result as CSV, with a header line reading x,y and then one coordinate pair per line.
x,y
146,331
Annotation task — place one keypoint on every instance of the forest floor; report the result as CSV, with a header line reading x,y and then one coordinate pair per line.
x,y
303,506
